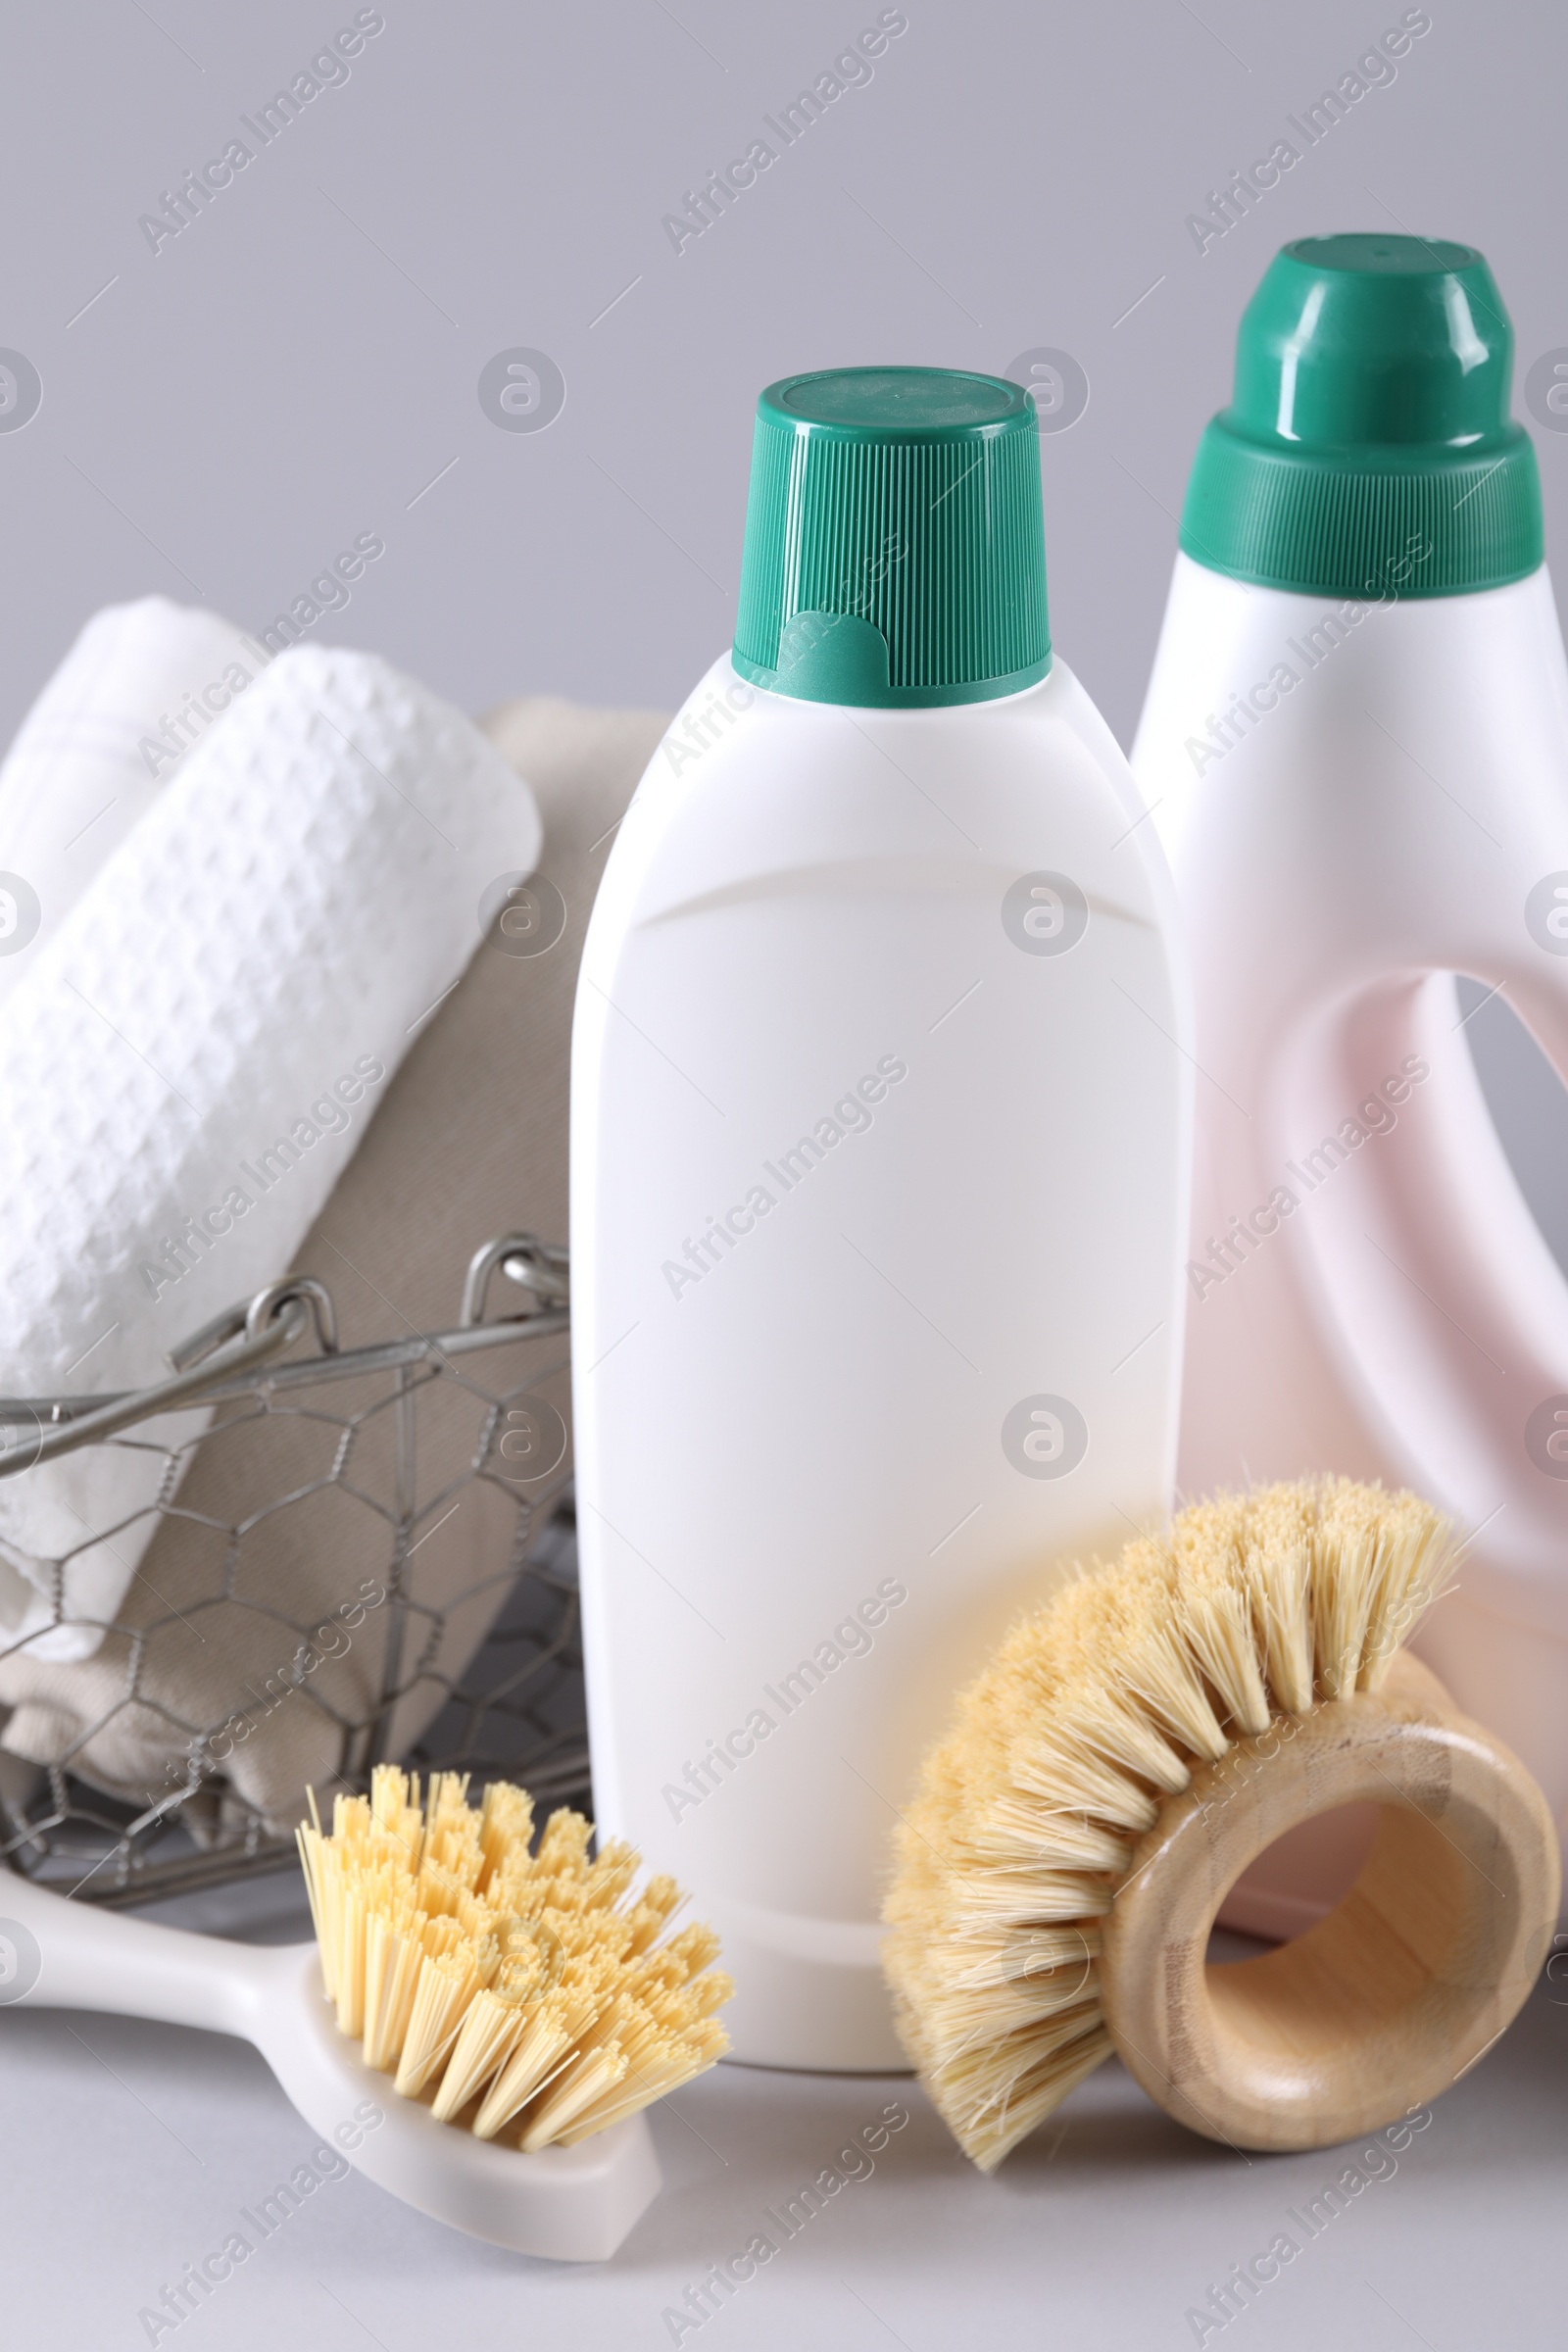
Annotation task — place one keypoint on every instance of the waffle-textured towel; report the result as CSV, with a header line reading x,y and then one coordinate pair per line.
x,y
142,683
195,1053
468,1143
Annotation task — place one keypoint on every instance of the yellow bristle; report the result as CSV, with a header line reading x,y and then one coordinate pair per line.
x,y
993,1899
311,1843
1064,1769
506,1825
971,1963
691,1951
1278,1565
607,1880
545,2039
711,1992
674,2063
394,1957
1343,1586
1093,1709
352,1935
448,1982
541,1989
1160,1670
1002,2091
563,1847
1019,1831
489,2034
580,2087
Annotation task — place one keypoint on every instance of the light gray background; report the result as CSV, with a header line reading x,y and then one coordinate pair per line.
x,y
303,360
273,382
296,367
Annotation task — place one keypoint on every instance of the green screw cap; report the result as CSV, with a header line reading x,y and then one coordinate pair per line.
x,y
1367,448
895,551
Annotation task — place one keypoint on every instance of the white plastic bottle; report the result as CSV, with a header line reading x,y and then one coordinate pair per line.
x,y
880,1134
1355,747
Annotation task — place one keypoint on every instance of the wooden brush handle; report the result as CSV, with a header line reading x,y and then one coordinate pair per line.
x,y
1386,2001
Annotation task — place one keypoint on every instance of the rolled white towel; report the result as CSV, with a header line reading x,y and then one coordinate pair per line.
x,y
197,1050
142,683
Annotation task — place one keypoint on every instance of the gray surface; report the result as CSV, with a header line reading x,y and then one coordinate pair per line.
x,y
295,368
133,2146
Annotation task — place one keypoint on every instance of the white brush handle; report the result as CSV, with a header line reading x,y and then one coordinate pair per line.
x,y
73,1956
566,2204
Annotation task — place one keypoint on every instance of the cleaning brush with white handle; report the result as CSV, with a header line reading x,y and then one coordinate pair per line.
x,y
1130,1749
503,2015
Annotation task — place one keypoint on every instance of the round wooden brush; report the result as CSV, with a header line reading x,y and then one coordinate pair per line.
x,y
1132,1747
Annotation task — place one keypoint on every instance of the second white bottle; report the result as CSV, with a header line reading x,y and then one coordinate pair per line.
x,y
880,1116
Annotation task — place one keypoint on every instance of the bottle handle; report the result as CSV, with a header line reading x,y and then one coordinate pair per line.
x,y
1444,1303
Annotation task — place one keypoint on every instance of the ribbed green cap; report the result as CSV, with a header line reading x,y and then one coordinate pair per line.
x,y
895,550
1367,448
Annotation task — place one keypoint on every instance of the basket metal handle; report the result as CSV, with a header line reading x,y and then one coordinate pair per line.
x,y
535,1265
252,1332
234,1341
254,1316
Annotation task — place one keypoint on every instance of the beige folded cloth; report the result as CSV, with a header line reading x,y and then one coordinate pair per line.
x,y
271,1631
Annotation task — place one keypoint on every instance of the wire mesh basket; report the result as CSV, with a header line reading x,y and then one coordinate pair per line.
x,y
486,1678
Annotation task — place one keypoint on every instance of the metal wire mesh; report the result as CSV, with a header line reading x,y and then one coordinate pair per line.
x,y
514,1707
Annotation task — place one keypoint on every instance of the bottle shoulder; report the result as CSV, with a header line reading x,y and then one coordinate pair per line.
x,y
748,778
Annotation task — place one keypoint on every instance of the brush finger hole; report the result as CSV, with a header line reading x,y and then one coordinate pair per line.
x,y
1381,2004
1294,1881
